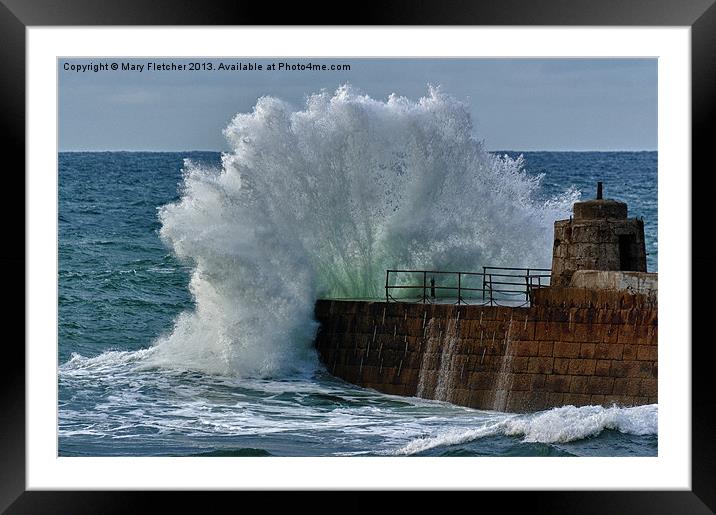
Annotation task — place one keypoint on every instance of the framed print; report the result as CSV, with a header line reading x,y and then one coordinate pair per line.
x,y
258,261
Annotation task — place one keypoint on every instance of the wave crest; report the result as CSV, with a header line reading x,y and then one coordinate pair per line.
x,y
558,425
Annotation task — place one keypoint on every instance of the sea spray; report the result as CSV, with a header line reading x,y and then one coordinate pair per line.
x,y
319,202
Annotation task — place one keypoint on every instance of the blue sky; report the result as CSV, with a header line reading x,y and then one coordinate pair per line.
x,y
516,104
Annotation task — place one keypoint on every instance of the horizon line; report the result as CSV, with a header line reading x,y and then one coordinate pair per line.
x,y
225,151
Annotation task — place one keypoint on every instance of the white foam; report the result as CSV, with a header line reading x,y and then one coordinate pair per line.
x,y
570,423
114,395
109,361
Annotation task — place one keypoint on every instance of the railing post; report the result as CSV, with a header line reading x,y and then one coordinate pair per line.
x,y
483,283
527,286
490,283
387,275
425,286
459,288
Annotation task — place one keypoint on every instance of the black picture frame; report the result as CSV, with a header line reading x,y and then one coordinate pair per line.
x,y
16,15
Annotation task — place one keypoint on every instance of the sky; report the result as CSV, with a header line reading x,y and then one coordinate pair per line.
x,y
516,104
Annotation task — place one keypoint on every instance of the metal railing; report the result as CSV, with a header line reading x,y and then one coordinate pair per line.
x,y
498,285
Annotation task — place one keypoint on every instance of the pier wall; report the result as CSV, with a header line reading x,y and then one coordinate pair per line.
x,y
573,346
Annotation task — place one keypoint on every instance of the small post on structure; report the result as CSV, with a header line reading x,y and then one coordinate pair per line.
x,y
599,191
432,287
527,285
459,288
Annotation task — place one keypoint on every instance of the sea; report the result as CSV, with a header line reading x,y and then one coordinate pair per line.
x,y
187,281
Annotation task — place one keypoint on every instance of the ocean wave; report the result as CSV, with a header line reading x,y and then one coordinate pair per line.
x,y
319,202
557,425
109,361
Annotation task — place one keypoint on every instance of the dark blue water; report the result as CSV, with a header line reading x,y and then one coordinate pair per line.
x,y
120,288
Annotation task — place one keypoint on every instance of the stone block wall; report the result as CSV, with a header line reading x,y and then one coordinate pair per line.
x,y
573,346
595,245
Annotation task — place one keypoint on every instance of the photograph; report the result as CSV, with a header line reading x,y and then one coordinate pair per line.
x,y
417,250
357,257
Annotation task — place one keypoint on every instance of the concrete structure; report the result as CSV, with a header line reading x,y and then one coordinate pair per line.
x,y
573,346
598,237
589,338
635,282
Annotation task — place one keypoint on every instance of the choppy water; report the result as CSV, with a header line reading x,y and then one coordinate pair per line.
x,y
186,287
